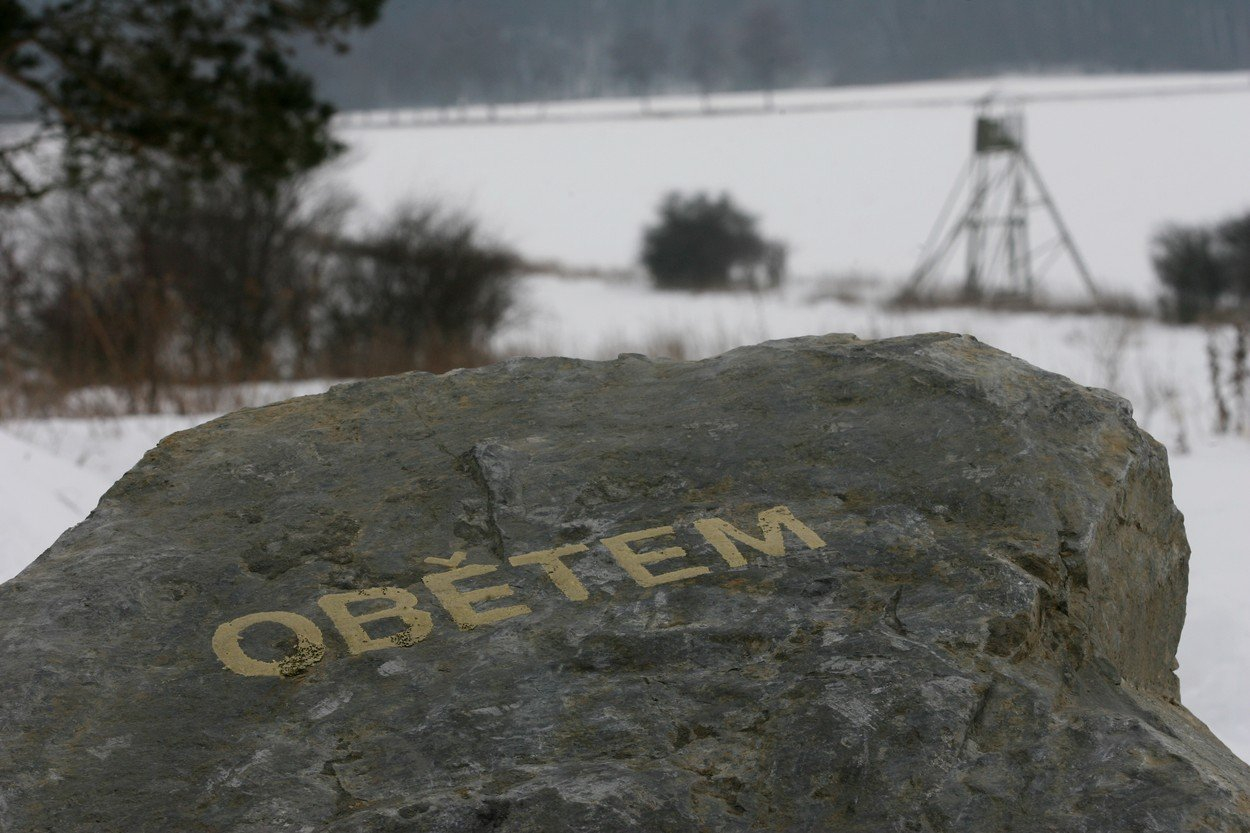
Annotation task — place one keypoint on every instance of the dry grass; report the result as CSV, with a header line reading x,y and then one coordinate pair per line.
x,y
36,394
1106,304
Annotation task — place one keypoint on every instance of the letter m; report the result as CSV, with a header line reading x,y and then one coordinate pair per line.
x,y
722,535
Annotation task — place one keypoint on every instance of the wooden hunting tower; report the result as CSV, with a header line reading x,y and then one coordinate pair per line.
x,y
1003,188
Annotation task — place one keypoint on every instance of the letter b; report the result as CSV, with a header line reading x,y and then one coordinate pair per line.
x,y
351,625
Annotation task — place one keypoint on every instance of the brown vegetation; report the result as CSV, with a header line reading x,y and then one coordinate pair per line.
x,y
154,283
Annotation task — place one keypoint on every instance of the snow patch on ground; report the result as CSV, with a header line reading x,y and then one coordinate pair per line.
x,y
1211,486
41,495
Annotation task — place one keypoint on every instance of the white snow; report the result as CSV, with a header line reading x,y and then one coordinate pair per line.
x,y
854,191
1212,487
41,495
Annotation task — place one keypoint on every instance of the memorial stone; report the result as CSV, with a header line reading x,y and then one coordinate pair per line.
x,y
821,584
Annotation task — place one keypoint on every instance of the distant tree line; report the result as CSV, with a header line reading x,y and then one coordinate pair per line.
x,y
445,52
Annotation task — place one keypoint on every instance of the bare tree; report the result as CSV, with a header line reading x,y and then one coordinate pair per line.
x,y
1187,265
467,56
767,46
705,56
1232,244
424,289
638,57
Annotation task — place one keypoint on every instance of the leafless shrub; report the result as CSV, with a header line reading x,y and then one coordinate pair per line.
x,y
153,284
1228,386
422,290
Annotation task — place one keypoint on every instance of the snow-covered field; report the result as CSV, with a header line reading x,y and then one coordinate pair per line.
x,y
853,191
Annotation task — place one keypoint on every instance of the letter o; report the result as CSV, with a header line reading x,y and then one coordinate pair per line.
x,y
226,641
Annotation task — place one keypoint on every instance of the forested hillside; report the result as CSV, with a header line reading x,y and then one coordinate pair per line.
x,y
444,52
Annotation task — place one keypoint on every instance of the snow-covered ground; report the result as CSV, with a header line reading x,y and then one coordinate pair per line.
x,y
852,191
1211,485
41,495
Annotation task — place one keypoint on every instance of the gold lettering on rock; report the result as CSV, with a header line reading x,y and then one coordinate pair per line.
x,y
459,603
465,605
722,534
557,570
310,645
351,625
635,563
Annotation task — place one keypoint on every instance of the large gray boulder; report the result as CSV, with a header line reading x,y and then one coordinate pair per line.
x,y
815,585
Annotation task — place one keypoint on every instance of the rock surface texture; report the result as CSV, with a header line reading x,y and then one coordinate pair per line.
x,y
815,585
